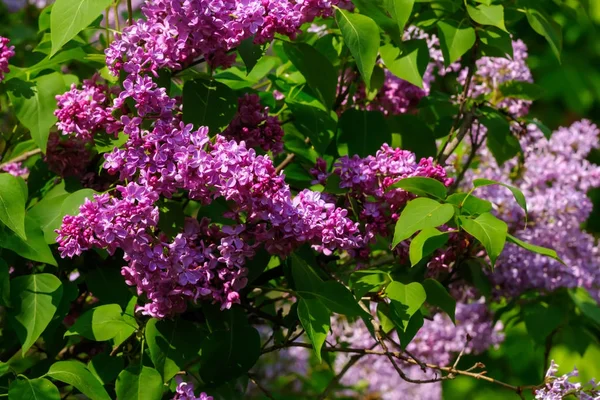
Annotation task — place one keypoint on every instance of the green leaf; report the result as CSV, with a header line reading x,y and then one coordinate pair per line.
x,y
35,299
438,296
518,195
208,103
500,139
361,35
414,324
35,107
305,278
76,374
521,90
415,135
69,17
541,319
12,204
318,71
173,344
495,42
250,53
105,367
547,27
400,11
406,300
422,186
586,304
4,284
139,383
365,281
315,124
534,248
487,15
34,248
456,38
339,299
102,323
409,64
425,243
315,320
105,143
470,204
362,132
490,231
33,389
227,354
378,11
419,214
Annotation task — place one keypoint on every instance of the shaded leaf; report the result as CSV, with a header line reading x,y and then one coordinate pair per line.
x,y
139,383
425,243
76,374
490,231
315,319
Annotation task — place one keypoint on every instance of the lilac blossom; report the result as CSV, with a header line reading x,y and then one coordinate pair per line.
x,y
6,52
185,391
560,387
15,169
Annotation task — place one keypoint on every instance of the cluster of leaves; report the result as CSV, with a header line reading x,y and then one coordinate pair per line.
x,y
70,326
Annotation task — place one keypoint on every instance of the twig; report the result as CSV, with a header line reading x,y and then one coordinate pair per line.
x,y
353,360
129,12
288,159
263,389
461,352
22,157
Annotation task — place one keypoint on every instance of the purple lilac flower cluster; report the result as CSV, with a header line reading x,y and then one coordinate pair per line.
x,y
559,387
86,111
254,126
369,179
6,52
15,169
176,33
555,180
185,391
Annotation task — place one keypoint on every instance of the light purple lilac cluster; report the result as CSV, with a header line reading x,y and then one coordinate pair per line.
x,y
84,112
369,179
555,180
559,387
254,126
175,33
15,169
6,52
185,391
492,72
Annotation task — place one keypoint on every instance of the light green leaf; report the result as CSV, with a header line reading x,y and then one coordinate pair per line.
x,y
35,107
361,35
12,204
500,139
425,243
518,195
315,320
34,248
456,38
69,17
400,10
76,374
490,231
470,204
535,249
419,214
422,186
378,10
409,64
365,281
406,300
548,28
586,304
139,383
33,389
102,323
35,299
438,296
487,15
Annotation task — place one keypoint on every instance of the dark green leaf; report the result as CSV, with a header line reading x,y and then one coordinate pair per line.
x,y
541,319
34,248
102,323
490,231
139,383
35,299
361,35
414,324
406,300
500,139
12,204
586,304
320,75
425,243
250,53
521,90
305,278
456,38
105,367
378,10
419,214
365,281
314,317
362,132
208,103
76,374
438,296
416,136
422,186
339,299
4,284
409,64
495,42
547,27
315,124
33,389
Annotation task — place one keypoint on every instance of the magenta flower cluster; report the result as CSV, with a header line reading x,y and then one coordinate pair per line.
x,y
185,391
253,125
559,387
6,52
15,169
